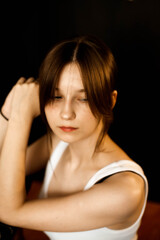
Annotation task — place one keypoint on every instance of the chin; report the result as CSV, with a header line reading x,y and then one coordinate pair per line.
x,y
67,139
71,137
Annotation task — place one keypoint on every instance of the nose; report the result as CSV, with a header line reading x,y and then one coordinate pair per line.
x,y
67,112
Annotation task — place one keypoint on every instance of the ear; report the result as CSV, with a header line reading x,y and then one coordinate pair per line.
x,y
114,98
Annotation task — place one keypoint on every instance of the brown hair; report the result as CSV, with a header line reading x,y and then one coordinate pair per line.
x,y
98,69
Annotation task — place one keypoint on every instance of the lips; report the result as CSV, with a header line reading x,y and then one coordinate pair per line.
x,y
67,129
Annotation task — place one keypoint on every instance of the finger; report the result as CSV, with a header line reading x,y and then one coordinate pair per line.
x,y
30,80
21,80
36,81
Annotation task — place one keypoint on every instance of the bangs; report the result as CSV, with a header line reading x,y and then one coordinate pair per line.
x,y
97,83
51,69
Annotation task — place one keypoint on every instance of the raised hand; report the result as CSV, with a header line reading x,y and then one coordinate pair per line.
x,y
22,101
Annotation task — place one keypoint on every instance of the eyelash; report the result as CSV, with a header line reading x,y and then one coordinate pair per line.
x,y
58,98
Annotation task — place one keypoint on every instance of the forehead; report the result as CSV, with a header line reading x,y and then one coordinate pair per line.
x,y
70,77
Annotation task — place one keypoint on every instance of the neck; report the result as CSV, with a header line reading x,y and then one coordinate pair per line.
x,y
82,152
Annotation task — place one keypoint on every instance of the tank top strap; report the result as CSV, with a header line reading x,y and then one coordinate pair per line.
x,y
51,165
57,153
113,168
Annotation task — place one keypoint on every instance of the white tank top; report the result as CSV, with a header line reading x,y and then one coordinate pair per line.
x,y
104,233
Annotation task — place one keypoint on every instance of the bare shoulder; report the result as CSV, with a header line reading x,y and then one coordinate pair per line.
x,y
131,185
124,191
127,193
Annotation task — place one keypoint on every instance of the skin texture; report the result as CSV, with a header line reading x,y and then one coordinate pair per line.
x,y
115,203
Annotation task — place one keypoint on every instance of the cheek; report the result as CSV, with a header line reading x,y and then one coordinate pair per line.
x,y
88,119
51,109
50,114
87,114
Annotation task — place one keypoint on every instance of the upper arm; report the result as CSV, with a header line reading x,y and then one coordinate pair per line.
x,y
39,152
37,155
109,204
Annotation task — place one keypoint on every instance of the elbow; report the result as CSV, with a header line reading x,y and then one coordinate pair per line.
x,y
4,216
7,217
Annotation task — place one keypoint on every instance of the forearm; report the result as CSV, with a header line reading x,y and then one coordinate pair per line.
x,y
3,128
12,165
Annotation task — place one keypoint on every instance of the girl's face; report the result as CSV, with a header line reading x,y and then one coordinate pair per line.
x,y
68,114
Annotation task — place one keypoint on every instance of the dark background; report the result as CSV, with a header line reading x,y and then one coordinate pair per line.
x,y
132,31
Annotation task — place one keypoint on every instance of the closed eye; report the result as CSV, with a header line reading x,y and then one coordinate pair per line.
x,y
83,99
57,97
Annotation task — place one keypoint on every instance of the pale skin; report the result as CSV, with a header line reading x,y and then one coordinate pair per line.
x,y
115,203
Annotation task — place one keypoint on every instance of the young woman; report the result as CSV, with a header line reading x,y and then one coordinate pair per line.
x,y
92,189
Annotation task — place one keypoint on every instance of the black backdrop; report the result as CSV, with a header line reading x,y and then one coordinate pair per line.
x,y
132,31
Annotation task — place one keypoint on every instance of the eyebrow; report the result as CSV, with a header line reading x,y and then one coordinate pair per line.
x,y
79,91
